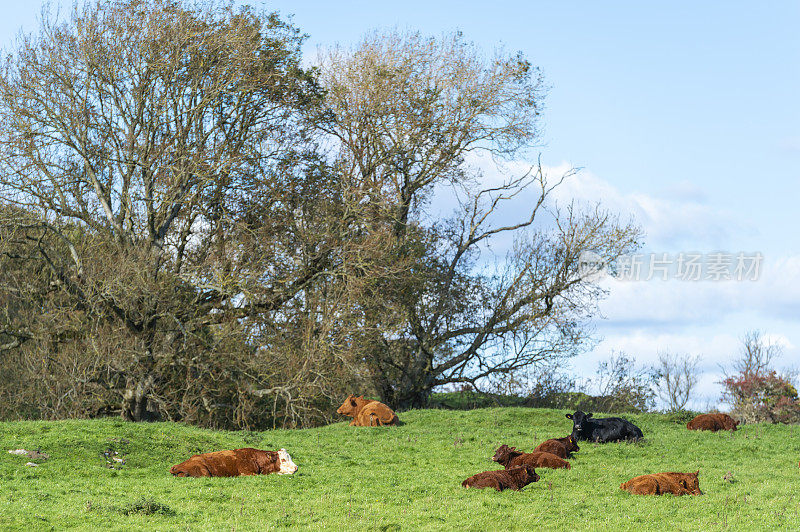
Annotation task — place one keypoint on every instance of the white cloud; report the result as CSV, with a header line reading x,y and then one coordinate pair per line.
x,y
790,143
678,215
656,303
685,191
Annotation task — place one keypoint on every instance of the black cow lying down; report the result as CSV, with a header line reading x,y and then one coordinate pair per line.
x,y
603,430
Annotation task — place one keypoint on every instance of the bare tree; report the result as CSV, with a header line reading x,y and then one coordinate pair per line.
x,y
678,377
757,355
622,386
756,391
406,113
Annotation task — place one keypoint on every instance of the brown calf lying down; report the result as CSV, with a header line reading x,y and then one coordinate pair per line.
x,y
366,412
510,457
235,463
561,447
514,478
661,483
712,422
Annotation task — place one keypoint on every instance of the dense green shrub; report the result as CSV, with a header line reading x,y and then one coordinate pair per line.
x,y
571,401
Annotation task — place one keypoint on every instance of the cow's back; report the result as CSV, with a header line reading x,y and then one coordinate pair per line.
x,y
653,484
712,422
657,484
375,414
500,480
231,463
703,422
553,447
612,429
641,485
487,479
539,459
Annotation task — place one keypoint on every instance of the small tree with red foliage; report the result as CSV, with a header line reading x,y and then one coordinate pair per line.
x,y
757,392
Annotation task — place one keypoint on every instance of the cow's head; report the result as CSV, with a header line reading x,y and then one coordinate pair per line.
x,y
285,464
526,473
572,444
532,474
578,419
691,482
348,408
505,454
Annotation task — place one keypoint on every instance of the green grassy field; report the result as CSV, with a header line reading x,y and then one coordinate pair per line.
x,y
396,478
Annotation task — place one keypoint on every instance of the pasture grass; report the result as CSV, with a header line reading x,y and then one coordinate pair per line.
x,y
395,478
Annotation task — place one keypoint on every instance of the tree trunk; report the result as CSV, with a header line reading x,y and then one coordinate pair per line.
x,y
137,403
408,399
405,389
408,393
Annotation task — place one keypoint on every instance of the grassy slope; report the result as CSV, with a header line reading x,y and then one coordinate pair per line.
x,y
405,477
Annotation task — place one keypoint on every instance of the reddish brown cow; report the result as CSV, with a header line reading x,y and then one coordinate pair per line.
x,y
514,478
561,447
661,483
366,412
235,463
712,422
510,457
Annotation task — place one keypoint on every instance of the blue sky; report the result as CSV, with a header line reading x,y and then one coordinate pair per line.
x,y
685,114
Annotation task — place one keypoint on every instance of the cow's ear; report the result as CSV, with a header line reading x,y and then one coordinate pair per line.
x,y
589,415
697,473
569,416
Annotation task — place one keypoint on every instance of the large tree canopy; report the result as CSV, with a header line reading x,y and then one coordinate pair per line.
x,y
193,226
156,169
409,113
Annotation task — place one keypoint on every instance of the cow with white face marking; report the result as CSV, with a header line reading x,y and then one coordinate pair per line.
x,y
235,463
287,467
603,430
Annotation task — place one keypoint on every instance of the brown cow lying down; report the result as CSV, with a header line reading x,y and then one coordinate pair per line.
x,y
514,478
235,463
661,483
561,447
713,422
510,457
366,412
